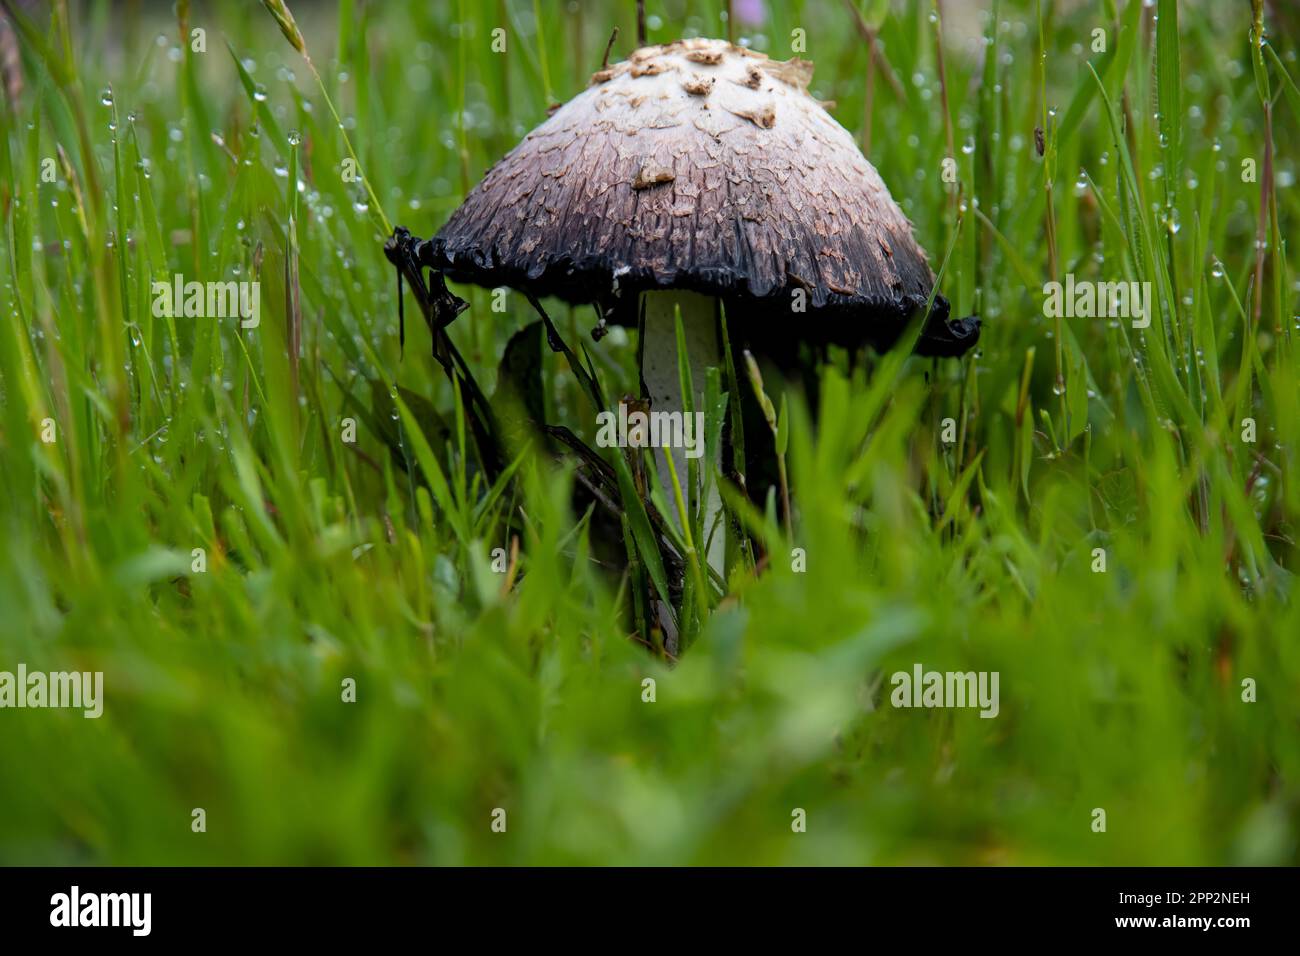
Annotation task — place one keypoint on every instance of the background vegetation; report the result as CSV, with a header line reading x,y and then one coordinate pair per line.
x,y
476,690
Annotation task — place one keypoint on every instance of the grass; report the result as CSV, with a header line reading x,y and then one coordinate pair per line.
x,y
130,156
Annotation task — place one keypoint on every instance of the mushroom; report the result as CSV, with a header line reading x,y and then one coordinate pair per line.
x,y
693,174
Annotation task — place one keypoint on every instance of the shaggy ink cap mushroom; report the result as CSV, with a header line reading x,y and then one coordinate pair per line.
x,y
693,174
707,167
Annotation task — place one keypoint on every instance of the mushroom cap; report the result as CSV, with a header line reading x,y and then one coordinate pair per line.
x,y
705,166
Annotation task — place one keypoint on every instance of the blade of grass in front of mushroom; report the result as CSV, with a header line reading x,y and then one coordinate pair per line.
x,y
488,509
703,498
765,529
737,548
647,542
638,586
774,425
689,617
690,506
717,403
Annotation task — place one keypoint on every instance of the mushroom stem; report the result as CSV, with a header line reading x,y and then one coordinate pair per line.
x,y
659,373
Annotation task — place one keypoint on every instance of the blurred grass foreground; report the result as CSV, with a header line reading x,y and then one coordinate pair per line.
x,y
272,541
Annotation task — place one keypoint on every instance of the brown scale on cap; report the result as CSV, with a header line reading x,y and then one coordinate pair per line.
x,y
705,166
697,85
